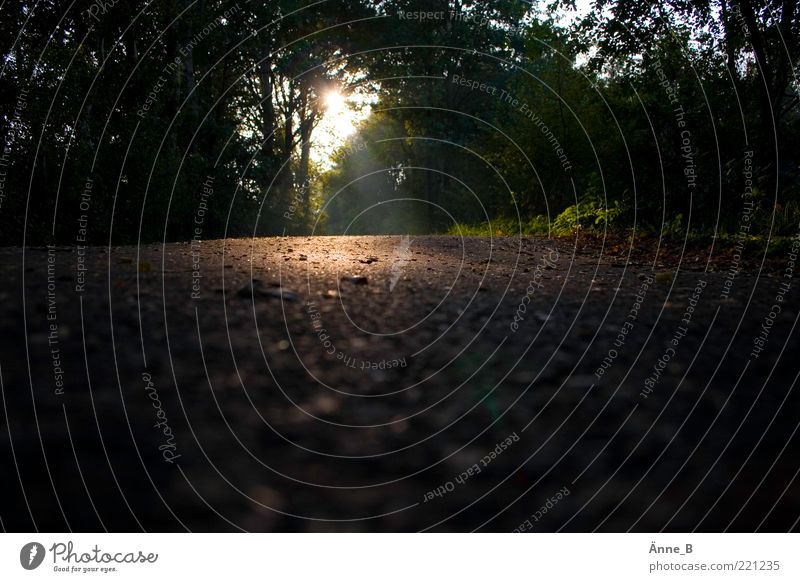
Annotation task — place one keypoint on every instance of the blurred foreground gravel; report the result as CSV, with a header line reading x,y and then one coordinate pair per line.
x,y
393,383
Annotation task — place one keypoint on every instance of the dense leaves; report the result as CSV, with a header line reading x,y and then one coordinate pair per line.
x,y
196,118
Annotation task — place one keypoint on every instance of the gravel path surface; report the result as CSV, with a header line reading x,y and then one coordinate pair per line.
x,y
393,383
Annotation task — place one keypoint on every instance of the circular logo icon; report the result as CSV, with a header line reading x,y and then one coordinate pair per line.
x,y
31,555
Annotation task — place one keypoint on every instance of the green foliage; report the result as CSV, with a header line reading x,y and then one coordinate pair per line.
x,y
589,215
674,227
594,143
536,226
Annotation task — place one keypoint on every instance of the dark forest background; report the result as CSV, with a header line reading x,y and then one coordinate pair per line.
x,y
126,121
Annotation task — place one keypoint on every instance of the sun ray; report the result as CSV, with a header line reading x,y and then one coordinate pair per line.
x,y
342,112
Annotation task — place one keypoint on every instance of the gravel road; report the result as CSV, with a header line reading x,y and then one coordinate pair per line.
x,y
395,384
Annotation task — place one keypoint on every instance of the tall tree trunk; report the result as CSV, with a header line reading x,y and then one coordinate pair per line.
x,y
307,120
766,95
190,82
267,82
286,177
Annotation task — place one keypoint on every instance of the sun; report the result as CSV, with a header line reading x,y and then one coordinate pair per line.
x,y
335,102
342,111
341,114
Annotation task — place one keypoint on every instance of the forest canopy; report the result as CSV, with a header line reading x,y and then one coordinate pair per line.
x,y
127,122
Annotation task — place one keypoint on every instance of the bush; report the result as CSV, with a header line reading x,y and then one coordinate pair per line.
x,y
590,213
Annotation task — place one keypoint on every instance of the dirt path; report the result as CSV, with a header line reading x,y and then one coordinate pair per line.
x,y
387,383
